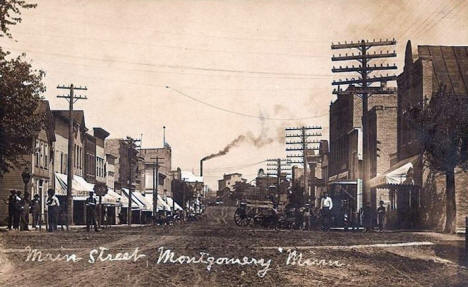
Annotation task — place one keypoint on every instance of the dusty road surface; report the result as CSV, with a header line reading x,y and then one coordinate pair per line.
x,y
211,252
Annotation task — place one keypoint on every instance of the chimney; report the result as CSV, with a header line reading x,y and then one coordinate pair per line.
x,y
201,168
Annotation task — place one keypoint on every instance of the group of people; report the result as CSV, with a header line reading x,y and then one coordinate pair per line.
x,y
19,208
366,216
326,215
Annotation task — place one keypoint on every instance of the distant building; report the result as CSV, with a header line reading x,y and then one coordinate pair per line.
x,y
90,159
100,135
120,150
229,180
110,170
149,156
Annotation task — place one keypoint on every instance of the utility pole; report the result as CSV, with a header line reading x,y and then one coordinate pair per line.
x,y
364,82
155,186
279,166
71,98
132,156
300,142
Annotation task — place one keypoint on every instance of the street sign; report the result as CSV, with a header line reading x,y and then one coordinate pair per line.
x,y
100,189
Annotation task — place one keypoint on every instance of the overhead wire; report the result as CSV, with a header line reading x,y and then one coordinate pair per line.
x,y
241,113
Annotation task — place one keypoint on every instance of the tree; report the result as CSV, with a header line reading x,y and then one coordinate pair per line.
x,y
444,138
20,93
10,14
20,90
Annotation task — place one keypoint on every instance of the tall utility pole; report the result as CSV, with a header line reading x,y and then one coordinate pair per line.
x,y
277,167
71,98
156,166
132,156
364,82
300,142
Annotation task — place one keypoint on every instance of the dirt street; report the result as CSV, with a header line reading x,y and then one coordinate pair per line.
x,y
316,258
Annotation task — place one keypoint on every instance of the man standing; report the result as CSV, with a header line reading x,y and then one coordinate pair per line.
x,y
52,206
12,202
327,205
36,210
19,213
381,215
91,211
307,217
24,215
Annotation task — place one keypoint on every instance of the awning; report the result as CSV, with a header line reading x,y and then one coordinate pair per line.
x,y
148,204
343,182
401,174
80,189
172,203
136,203
112,198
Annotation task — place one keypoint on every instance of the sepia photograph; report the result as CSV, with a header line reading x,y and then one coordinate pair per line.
x,y
234,143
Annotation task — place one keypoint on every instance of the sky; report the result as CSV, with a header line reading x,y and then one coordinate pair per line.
x,y
233,68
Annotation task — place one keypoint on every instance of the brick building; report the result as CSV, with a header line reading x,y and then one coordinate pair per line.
x,y
149,156
100,135
40,165
90,159
61,143
344,161
120,150
415,193
229,180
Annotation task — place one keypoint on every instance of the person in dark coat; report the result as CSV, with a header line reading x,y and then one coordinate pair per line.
x,y
91,203
19,216
36,210
12,202
381,215
24,211
367,217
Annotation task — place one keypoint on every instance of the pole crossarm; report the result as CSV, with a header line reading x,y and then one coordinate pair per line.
x,y
300,142
359,44
306,128
300,149
359,90
361,69
360,57
362,81
307,135
63,87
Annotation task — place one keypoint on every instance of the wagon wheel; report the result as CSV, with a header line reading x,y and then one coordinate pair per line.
x,y
240,218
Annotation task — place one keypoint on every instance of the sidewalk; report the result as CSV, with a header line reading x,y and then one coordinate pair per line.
x,y
31,229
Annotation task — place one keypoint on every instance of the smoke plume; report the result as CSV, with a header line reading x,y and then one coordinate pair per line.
x,y
226,149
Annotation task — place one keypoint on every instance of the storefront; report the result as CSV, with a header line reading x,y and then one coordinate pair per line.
x,y
399,193
80,191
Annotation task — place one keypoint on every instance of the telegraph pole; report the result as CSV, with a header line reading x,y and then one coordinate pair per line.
x,y
279,166
71,98
132,155
364,82
301,144
155,186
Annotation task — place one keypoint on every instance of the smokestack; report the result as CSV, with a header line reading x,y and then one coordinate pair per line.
x,y
201,168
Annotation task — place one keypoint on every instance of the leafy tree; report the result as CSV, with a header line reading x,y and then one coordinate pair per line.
x,y
20,89
20,93
10,14
444,136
